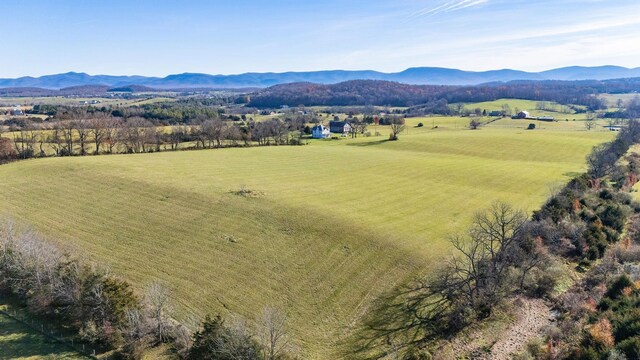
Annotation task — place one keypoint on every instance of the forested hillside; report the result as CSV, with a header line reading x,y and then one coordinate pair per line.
x,y
372,92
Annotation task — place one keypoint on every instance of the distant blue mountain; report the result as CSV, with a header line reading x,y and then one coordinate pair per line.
x,y
416,76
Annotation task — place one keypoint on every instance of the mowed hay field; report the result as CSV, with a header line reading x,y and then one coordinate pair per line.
x,y
327,228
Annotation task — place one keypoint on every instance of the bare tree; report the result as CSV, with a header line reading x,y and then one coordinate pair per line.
x,y
56,139
358,127
273,333
25,139
68,130
296,128
496,231
506,110
82,127
135,133
234,134
476,275
279,131
590,121
176,136
213,131
158,298
111,130
98,131
601,160
150,137
397,126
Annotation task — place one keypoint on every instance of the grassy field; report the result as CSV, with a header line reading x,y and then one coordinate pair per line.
x,y
528,105
17,341
28,102
612,99
330,226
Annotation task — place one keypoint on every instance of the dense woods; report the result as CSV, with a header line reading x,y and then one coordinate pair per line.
x,y
385,93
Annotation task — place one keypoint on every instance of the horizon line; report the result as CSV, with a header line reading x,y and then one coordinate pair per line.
x,y
317,71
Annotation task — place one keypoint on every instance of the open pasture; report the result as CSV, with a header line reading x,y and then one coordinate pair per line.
x,y
55,100
612,99
554,109
28,102
319,231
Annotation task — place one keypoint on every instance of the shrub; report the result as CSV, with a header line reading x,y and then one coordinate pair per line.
x,y
617,287
601,333
420,125
6,150
606,194
531,126
544,285
585,354
218,341
631,347
613,216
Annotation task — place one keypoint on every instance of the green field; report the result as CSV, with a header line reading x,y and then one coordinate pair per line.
x,y
612,99
17,341
331,226
530,106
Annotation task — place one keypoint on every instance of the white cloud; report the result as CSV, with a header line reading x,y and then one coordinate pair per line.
x,y
448,6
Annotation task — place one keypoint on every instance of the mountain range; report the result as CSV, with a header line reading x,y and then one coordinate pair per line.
x,y
415,76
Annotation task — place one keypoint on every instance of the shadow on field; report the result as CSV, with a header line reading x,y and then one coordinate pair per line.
x,y
395,325
18,341
370,143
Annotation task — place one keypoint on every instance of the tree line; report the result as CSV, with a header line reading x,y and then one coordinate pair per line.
x,y
96,134
180,111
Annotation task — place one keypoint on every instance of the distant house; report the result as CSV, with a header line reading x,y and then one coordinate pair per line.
x,y
16,112
496,113
339,127
320,132
546,118
522,115
613,127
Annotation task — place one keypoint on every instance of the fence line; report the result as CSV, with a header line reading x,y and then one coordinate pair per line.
x,y
50,334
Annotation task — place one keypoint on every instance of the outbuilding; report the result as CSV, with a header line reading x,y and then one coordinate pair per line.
x,y
339,127
523,115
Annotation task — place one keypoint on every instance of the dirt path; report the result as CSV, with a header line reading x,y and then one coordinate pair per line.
x,y
502,342
532,317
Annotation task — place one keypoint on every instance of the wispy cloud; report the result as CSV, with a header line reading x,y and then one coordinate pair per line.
x,y
448,6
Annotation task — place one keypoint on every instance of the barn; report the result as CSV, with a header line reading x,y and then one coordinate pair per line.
x,y
339,127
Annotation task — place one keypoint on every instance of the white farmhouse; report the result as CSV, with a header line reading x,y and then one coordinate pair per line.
x,y
320,132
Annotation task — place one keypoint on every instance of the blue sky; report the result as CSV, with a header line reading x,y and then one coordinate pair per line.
x,y
161,37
